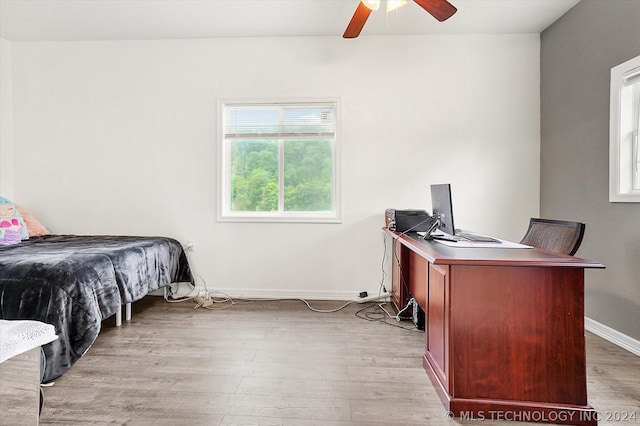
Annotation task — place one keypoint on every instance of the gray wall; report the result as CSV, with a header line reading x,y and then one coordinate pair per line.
x,y
577,54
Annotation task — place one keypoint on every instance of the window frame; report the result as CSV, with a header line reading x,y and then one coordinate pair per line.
x,y
624,155
224,213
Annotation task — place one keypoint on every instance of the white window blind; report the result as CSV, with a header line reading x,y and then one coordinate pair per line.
x,y
279,120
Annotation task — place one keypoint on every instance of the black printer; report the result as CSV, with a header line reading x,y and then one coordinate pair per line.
x,y
407,220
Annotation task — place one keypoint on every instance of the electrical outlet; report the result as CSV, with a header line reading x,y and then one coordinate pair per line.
x,y
190,246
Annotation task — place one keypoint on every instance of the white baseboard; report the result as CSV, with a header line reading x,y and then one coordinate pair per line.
x,y
288,294
187,289
612,335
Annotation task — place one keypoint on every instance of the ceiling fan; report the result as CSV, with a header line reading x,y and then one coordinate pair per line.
x,y
439,9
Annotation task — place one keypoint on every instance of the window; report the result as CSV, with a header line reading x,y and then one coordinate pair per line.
x,y
624,152
279,162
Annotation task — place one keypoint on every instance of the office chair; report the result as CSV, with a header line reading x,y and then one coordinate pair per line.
x,y
555,235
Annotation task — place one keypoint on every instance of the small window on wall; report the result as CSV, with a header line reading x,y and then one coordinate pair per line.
x,y
624,150
279,162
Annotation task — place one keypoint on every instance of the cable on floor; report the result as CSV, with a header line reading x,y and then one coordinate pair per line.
x,y
377,312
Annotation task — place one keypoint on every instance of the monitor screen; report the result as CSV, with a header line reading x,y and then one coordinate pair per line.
x,y
442,206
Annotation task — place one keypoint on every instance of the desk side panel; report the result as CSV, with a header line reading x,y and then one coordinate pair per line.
x,y
518,334
437,324
418,276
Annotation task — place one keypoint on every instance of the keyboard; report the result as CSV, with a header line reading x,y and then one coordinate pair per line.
x,y
476,238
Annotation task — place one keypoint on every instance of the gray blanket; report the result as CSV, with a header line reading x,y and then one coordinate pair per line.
x,y
75,282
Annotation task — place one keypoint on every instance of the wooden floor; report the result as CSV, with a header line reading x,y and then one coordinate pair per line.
x,y
278,363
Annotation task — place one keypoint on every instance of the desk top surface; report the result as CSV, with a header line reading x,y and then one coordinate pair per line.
x,y
438,253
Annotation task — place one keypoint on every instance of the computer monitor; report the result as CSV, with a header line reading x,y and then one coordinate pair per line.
x,y
442,206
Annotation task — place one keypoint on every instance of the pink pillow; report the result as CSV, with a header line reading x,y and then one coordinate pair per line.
x,y
34,227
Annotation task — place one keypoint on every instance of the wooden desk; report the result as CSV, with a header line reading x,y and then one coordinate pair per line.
x,y
504,329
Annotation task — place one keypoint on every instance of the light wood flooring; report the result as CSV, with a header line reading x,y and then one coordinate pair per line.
x,y
279,363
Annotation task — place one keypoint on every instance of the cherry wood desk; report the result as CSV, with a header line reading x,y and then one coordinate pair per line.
x,y
504,328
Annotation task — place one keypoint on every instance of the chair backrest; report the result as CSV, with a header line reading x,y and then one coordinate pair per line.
x,y
555,235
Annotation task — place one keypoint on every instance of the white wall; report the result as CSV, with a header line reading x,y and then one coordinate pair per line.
x,y
120,137
6,121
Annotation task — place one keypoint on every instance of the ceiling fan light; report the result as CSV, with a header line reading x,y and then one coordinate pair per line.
x,y
372,4
395,4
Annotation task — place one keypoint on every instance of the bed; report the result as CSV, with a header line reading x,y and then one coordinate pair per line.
x,y
76,282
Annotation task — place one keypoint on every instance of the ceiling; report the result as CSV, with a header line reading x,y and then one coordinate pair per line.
x,y
74,20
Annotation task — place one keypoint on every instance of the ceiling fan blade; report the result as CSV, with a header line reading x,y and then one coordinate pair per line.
x,y
358,20
439,9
